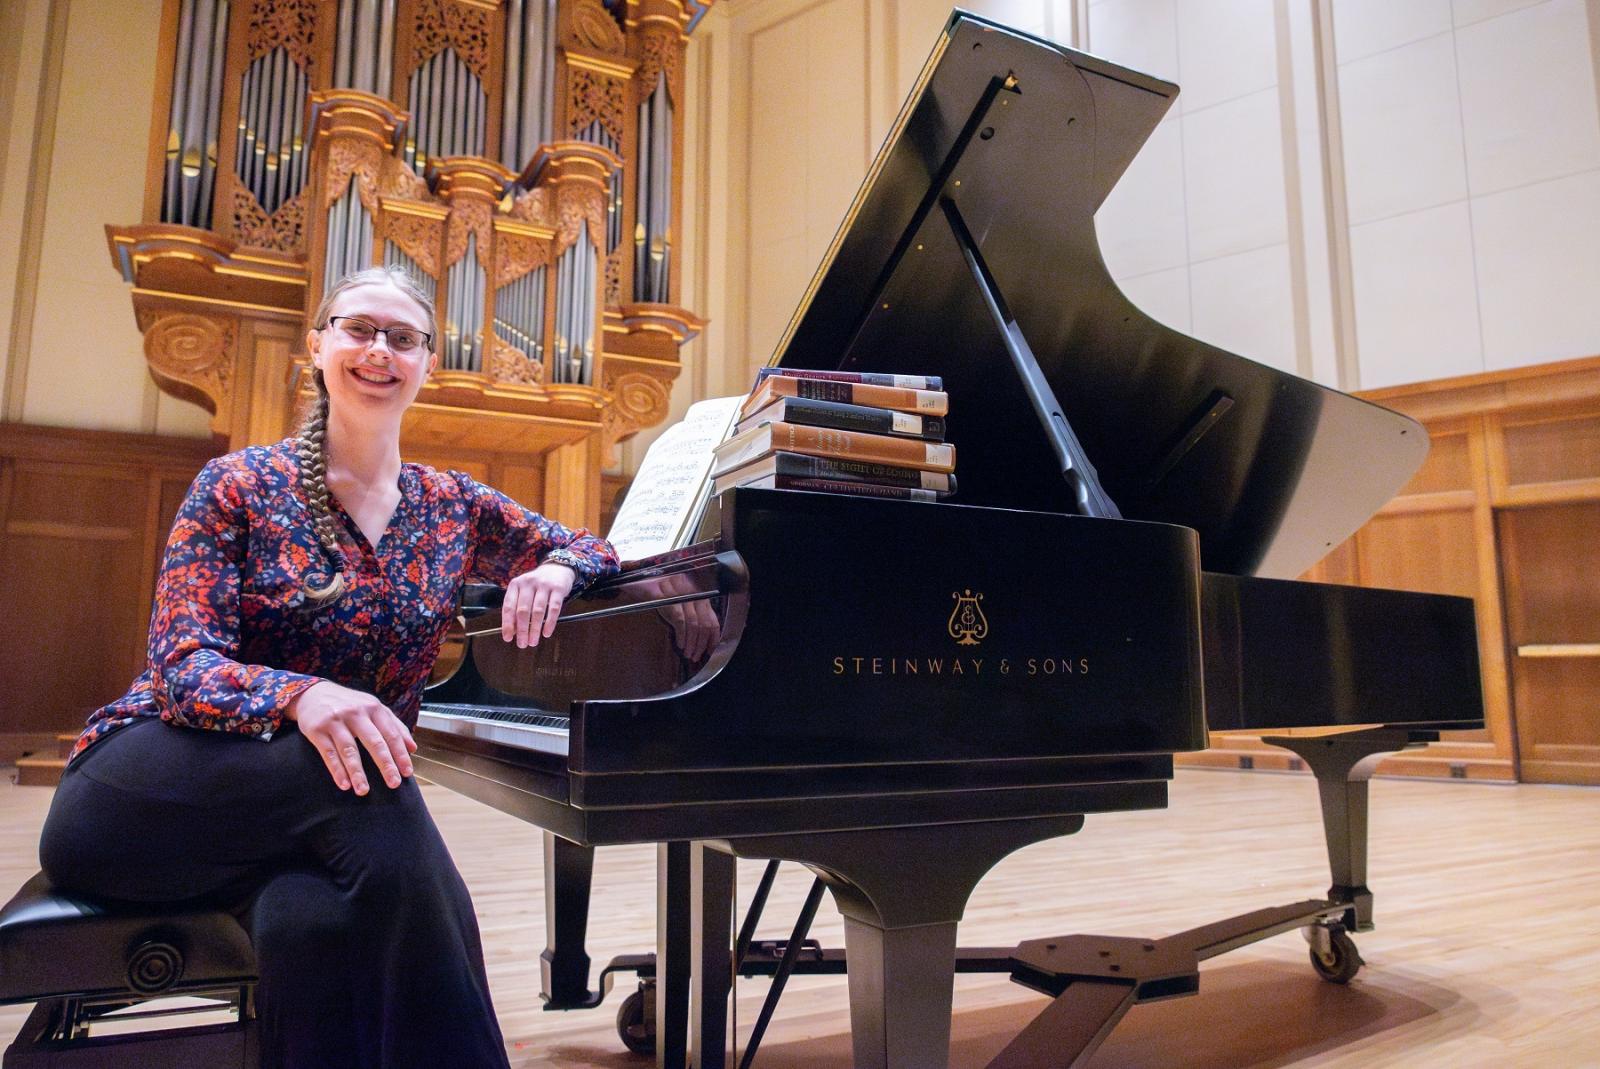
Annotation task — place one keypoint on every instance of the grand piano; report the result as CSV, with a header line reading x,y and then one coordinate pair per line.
x,y
1133,507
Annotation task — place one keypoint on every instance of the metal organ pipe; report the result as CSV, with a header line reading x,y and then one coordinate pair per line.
x,y
172,195
364,64
196,90
342,74
213,113
511,106
385,49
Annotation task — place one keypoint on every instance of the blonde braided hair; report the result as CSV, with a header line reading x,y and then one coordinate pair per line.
x,y
311,442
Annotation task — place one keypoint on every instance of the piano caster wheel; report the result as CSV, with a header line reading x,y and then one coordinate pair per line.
x,y
1339,962
636,1024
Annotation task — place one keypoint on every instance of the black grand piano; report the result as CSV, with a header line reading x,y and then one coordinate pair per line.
x,y
1133,506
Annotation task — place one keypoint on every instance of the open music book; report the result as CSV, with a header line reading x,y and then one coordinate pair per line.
x,y
663,507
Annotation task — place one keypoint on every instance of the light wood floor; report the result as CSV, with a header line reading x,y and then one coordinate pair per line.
x,y
1487,951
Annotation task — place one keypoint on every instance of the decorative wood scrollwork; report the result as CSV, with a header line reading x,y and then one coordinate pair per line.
x,y
517,254
575,205
507,363
594,97
661,51
192,349
289,23
283,231
347,156
471,217
637,400
418,237
532,206
594,29
441,24
614,277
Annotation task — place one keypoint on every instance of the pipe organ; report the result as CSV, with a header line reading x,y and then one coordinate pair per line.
x,y
519,157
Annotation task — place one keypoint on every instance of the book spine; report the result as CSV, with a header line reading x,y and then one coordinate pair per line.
x,y
923,402
799,465
870,378
825,441
844,486
861,418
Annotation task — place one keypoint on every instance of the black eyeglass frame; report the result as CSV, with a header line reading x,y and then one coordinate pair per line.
x,y
427,338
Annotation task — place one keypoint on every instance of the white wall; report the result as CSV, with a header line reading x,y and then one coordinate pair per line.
x,y
76,130
1364,192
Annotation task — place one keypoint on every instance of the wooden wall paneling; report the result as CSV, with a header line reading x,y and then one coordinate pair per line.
x,y
71,574
84,517
1559,448
1553,638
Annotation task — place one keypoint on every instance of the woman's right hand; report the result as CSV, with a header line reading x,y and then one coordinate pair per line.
x,y
338,721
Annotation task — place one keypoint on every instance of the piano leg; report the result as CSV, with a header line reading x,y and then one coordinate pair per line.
x,y
1343,764
902,892
564,964
711,919
672,955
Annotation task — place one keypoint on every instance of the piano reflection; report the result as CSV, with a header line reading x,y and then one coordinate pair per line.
x,y
1133,507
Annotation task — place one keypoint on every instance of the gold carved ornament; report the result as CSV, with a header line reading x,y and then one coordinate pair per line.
x,y
593,96
595,30
532,206
661,52
417,236
349,156
289,23
575,206
637,400
194,350
614,277
283,231
515,255
507,363
467,217
444,24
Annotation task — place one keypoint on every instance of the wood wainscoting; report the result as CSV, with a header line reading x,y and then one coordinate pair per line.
x,y
84,517
1506,510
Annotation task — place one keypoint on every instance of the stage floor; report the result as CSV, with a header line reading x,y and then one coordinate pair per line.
x,y
1486,954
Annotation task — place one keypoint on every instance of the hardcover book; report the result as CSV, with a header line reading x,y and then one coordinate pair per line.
x,y
846,418
835,469
841,486
824,441
871,378
922,402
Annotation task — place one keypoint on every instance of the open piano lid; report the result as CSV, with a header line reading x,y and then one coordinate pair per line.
x,y
1017,141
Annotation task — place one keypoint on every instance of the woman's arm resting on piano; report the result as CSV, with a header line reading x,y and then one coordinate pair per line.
x,y
538,561
533,603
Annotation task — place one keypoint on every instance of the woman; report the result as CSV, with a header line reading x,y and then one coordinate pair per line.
x,y
303,597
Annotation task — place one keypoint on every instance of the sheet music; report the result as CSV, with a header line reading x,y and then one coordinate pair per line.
x,y
663,505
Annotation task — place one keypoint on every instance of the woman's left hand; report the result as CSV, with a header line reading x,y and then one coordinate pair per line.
x,y
533,603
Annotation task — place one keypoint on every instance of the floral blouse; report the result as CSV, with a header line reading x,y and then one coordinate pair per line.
x,y
233,638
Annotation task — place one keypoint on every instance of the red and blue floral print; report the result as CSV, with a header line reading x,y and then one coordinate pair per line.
x,y
233,637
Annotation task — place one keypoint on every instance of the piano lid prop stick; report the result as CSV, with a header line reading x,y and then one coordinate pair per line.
x,y
1076,469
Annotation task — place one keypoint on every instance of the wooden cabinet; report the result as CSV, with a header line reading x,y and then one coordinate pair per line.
x,y
1506,510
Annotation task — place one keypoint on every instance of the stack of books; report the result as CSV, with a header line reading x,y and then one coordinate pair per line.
x,y
842,432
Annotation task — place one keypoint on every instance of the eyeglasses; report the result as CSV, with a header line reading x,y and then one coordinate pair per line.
x,y
400,339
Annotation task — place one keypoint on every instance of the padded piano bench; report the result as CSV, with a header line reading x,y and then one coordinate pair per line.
x,y
81,960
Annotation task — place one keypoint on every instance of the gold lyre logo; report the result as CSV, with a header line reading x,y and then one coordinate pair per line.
x,y
967,626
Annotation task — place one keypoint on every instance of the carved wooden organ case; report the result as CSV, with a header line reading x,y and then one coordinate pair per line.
x,y
520,157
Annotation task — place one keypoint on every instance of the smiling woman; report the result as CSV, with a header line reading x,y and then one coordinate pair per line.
x,y
303,598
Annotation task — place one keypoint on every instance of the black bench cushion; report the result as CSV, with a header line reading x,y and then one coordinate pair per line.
x,y
54,944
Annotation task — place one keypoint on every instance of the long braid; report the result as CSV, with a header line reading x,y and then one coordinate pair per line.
x,y
311,447
311,444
